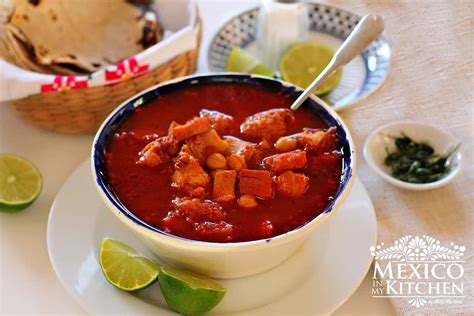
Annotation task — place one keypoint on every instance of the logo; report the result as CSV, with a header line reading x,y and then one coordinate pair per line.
x,y
419,269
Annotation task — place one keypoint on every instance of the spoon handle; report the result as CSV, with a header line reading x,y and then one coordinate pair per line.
x,y
367,30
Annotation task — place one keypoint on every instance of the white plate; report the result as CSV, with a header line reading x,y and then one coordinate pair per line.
x,y
317,279
327,25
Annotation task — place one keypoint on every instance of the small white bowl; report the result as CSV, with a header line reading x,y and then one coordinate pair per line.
x,y
381,139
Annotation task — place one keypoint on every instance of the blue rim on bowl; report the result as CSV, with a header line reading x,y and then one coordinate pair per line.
x,y
337,23
120,114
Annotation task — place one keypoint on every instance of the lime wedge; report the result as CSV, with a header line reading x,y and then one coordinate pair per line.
x,y
189,293
241,61
303,62
124,267
20,183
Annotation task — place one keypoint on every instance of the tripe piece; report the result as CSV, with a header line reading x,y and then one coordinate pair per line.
x,y
318,140
198,210
224,185
189,177
292,184
291,160
256,182
242,148
158,151
195,126
223,124
269,124
207,143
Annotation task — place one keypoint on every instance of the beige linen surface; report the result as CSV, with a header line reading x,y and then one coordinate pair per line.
x,y
431,81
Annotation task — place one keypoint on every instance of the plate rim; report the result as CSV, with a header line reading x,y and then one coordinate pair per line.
x,y
89,309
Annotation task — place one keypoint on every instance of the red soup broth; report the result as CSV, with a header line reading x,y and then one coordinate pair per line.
x,y
147,191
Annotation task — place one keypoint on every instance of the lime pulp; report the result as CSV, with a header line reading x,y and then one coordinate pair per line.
x,y
126,268
20,183
303,62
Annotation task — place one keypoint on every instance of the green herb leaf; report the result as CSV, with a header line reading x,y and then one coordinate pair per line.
x,y
416,162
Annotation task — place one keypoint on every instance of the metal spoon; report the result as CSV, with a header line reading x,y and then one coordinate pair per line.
x,y
366,31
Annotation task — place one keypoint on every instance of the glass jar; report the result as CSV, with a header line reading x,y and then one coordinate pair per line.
x,y
281,23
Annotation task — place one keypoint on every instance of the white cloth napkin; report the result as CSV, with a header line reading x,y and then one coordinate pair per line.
x,y
180,36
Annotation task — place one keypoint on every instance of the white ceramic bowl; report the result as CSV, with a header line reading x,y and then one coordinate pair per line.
x,y
218,260
381,139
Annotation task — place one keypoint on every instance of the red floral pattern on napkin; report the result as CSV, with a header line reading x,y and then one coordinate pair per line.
x,y
61,83
125,70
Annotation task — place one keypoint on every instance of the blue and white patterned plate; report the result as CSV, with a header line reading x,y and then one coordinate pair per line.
x,y
328,25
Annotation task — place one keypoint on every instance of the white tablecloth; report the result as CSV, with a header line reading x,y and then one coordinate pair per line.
x,y
433,87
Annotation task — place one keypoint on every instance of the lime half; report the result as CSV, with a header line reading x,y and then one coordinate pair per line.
x,y
241,61
303,62
124,267
20,183
189,293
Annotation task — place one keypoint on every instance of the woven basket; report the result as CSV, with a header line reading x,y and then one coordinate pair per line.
x,y
83,110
